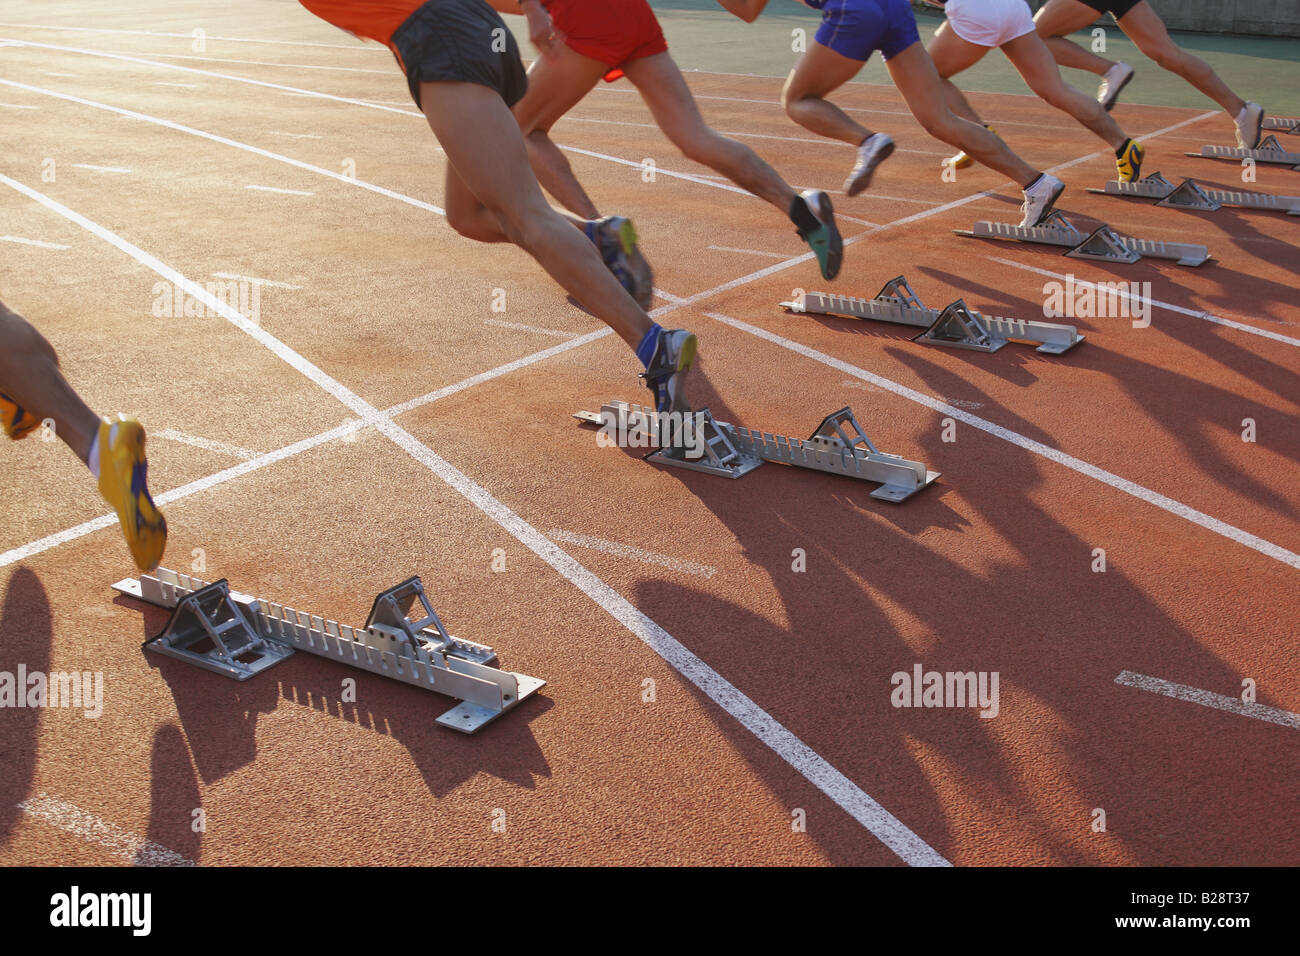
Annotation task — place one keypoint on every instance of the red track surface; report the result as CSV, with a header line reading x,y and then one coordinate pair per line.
x,y
989,570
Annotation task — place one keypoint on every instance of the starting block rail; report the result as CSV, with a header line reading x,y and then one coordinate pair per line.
x,y
240,636
838,446
1189,194
1103,243
1284,123
956,326
1269,151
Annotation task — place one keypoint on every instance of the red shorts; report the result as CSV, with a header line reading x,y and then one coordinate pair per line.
x,y
611,31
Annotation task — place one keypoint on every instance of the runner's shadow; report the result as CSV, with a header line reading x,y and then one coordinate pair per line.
x,y
26,633
174,797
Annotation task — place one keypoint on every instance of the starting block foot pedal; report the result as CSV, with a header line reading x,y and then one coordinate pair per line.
x,y
958,327
209,629
1104,245
1189,195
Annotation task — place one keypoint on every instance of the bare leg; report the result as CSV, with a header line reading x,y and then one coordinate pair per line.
x,y
665,92
1145,28
820,71
555,86
30,375
1059,17
951,55
487,162
1034,62
916,78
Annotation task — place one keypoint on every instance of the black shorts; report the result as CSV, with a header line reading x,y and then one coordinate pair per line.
x,y
459,41
1116,8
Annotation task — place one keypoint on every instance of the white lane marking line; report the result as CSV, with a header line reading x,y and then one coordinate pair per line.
x,y
101,169
532,328
634,554
1142,493
120,843
206,443
34,242
184,86
276,132
277,189
256,281
255,150
657,170
816,769
17,106
1194,695
69,75
1081,283
293,66
860,222
758,252
187,36
961,403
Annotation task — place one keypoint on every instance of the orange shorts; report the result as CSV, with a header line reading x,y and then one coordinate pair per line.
x,y
611,31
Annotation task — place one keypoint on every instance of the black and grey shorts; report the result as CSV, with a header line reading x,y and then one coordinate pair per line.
x,y
1116,8
459,41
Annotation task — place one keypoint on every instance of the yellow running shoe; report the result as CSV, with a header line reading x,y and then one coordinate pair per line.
x,y
18,422
963,159
1129,163
124,483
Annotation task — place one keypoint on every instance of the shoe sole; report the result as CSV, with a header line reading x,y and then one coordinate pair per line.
x,y
1109,102
685,359
856,184
834,241
642,274
1259,131
128,512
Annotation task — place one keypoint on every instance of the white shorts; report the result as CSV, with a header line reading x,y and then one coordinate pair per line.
x,y
989,22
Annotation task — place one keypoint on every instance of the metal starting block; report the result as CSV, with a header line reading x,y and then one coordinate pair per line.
x,y
838,446
1268,151
1283,123
239,636
1103,243
1189,194
956,326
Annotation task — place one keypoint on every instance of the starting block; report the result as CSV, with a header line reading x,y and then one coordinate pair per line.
x,y
1283,123
1103,243
838,446
1268,151
240,636
1190,194
956,326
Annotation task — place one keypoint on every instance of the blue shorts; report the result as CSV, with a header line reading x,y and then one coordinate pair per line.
x,y
855,28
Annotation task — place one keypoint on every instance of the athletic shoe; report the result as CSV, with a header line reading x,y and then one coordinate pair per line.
x,y
124,483
18,422
964,159
875,149
1129,163
666,374
615,237
1250,125
824,240
1112,85
1040,197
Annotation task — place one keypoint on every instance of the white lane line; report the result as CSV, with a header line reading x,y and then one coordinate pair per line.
x,y
122,844
206,443
188,36
34,242
1194,695
656,169
812,766
631,553
277,189
256,281
1176,508
101,169
293,66
276,132
860,222
17,106
255,150
757,252
532,328
69,75
1206,316
184,86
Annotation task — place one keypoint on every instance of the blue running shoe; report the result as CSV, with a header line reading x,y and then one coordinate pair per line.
x,y
665,375
615,238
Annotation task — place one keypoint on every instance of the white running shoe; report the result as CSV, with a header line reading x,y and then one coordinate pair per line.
x,y
1250,125
874,150
1112,84
1040,197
